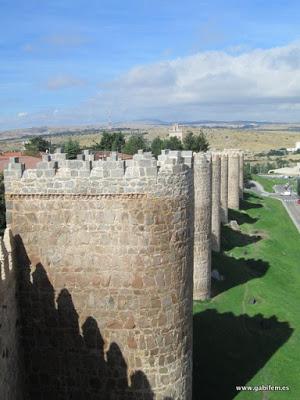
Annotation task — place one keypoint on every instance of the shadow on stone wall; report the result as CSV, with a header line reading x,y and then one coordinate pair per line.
x,y
11,367
235,271
229,350
60,362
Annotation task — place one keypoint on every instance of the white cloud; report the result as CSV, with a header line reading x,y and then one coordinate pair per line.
x,y
22,114
66,40
228,85
64,82
259,84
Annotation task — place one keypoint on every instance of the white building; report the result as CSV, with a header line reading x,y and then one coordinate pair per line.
x,y
177,132
293,149
287,171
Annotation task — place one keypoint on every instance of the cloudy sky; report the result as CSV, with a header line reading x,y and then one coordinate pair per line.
x,y
80,62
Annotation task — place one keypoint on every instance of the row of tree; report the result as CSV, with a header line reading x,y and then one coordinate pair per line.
x,y
116,141
38,144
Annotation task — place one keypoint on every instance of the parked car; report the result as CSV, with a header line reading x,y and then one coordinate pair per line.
x,y
298,201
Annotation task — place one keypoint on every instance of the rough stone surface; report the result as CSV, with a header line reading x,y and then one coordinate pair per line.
x,y
234,225
202,226
224,188
10,357
105,252
216,203
241,175
233,179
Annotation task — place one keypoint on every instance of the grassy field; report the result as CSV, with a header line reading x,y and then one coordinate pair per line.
x,y
249,332
253,140
268,183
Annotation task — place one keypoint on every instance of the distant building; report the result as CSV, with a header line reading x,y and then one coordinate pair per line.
x,y
103,155
287,171
177,131
293,149
29,161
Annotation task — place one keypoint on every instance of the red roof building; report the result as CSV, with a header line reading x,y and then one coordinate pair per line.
x,y
29,161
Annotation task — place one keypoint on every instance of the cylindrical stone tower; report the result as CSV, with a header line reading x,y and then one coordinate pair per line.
x,y
216,203
233,179
202,226
106,296
224,188
241,177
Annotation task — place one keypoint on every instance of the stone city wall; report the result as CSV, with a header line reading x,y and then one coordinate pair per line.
x,y
105,257
224,188
233,179
106,253
241,175
10,356
202,226
216,203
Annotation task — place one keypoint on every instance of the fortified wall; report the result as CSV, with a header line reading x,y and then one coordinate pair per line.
x,y
106,259
202,226
10,355
224,188
216,202
233,179
110,256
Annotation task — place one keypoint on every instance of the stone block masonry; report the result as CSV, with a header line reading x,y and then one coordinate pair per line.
x,y
224,188
202,226
233,179
106,258
10,355
216,203
241,175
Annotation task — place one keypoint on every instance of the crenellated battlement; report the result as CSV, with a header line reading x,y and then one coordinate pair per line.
x,y
170,174
116,243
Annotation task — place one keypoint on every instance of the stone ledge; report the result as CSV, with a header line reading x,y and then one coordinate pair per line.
x,y
71,196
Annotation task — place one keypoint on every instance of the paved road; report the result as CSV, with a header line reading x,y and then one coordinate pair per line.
x,y
258,188
289,202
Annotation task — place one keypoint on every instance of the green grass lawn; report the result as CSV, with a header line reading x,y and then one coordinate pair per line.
x,y
249,332
268,183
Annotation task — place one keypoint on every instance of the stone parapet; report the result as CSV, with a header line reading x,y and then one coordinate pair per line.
x,y
141,174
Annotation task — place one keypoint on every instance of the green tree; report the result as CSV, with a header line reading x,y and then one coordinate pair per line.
x,y
135,143
173,143
195,142
281,163
157,145
200,143
110,142
247,173
37,144
298,186
106,141
118,141
2,205
72,148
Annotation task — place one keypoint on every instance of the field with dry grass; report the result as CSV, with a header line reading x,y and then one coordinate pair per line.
x,y
252,140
